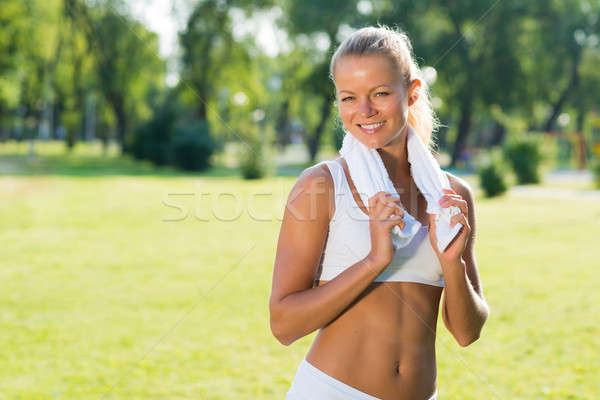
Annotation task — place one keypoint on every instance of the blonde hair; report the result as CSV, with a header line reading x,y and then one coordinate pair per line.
x,y
396,46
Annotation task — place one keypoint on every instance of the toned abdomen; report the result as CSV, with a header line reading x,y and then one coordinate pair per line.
x,y
384,342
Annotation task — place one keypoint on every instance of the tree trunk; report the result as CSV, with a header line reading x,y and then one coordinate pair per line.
x,y
573,83
119,109
581,144
314,140
3,133
464,127
283,133
59,108
498,134
466,92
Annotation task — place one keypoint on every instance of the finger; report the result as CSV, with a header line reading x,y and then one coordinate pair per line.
x,y
432,229
379,203
385,201
391,198
432,218
460,203
373,201
394,220
448,191
375,198
455,218
391,209
451,195
462,218
447,197
392,201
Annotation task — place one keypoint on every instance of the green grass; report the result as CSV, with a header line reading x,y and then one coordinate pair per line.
x,y
101,297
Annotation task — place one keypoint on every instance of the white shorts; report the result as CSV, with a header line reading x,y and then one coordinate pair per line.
x,y
310,383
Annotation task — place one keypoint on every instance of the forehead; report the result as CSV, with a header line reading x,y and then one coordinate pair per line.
x,y
364,72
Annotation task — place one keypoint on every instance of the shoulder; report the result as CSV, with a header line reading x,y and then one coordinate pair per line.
x,y
314,189
317,172
460,186
315,177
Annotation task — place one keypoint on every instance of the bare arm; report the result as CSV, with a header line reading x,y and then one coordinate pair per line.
x,y
464,308
296,308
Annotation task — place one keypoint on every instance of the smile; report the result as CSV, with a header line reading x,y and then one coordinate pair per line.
x,y
371,128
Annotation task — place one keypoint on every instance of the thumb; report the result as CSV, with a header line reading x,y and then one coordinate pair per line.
x,y
431,219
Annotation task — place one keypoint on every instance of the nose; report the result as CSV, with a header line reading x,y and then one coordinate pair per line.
x,y
365,108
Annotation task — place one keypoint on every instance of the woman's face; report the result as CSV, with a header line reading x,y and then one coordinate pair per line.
x,y
372,99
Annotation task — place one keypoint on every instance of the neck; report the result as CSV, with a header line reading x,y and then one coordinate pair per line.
x,y
395,158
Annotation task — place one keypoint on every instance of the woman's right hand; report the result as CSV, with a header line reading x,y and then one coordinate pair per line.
x,y
385,212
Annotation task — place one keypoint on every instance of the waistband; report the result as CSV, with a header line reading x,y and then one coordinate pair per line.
x,y
311,383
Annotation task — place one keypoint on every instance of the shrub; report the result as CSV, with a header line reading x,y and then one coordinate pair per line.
x,y
595,167
491,178
192,145
152,139
254,158
174,137
524,156
338,135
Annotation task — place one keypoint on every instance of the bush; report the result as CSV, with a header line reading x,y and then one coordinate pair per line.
x,y
192,145
152,139
338,135
595,167
254,157
524,156
174,137
491,179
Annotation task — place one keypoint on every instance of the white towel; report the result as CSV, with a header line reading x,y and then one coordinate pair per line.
x,y
370,176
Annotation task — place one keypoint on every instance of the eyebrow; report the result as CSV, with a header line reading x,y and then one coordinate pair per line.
x,y
375,87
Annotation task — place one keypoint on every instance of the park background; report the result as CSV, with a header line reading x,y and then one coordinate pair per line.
x,y
142,194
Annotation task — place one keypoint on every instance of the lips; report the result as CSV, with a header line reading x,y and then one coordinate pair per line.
x,y
371,128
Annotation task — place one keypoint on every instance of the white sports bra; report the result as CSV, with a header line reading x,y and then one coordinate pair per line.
x,y
349,241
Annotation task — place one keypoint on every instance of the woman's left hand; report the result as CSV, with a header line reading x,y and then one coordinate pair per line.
x,y
455,249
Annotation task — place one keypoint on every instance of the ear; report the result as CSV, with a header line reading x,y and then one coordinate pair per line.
x,y
413,91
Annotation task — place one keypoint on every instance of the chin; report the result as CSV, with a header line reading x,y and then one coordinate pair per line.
x,y
375,141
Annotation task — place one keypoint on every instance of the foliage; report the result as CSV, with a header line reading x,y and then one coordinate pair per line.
x,y
254,157
595,167
338,135
80,64
151,140
174,136
119,42
524,156
192,145
491,178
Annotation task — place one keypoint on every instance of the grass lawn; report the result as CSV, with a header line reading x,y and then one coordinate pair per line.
x,y
119,280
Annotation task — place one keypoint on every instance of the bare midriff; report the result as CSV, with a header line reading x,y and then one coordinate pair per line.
x,y
384,342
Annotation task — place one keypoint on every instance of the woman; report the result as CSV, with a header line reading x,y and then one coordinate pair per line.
x,y
376,328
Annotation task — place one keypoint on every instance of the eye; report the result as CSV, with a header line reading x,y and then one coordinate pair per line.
x,y
347,98
382,93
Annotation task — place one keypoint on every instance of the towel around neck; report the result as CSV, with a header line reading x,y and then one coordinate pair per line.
x,y
370,176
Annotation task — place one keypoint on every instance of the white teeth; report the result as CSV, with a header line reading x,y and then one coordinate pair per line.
x,y
373,126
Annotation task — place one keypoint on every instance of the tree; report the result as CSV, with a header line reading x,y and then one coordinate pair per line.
x,y
13,20
31,58
208,45
127,61
474,43
322,20
572,26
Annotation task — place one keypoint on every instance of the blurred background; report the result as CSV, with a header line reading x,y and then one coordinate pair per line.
x,y
147,148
